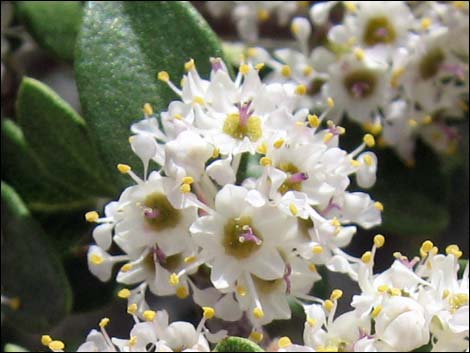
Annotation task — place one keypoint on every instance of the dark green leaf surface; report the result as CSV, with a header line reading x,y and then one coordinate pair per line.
x,y
54,24
40,189
120,49
30,269
60,139
237,344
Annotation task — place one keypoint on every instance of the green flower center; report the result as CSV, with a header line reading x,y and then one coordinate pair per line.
x,y
430,63
240,239
292,183
170,263
304,226
379,30
159,213
240,128
360,84
267,287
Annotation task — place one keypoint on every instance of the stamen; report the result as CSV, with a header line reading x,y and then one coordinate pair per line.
x,y
151,213
244,113
248,235
159,256
298,177
216,64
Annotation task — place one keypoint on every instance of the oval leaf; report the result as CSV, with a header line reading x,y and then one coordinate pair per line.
x,y
120,49
30,270
237,344
54,24
60,139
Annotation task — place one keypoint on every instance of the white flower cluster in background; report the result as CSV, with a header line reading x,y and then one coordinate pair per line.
x,y
247,186
414,303
397,68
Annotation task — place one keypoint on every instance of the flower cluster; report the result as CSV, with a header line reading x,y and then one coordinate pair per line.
x,y
397,68
248,186
412,304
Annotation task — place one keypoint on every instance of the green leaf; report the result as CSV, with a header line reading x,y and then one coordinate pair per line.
x,y
121,47
237,344
60,138
30,270
10,347
54,24
40,189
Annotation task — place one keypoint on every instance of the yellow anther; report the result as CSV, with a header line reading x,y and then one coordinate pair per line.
x,y
311,322
454,250
396,292
244,69
163,76
458,300
104,322
445,293
256,336
335,222
366,257
263,148
376,311
317,249
251,52
174,280
328,137
126,268
426,23
286,71
314,121
307,71
341,130
369,140
187,180
266,161
360,54
182,292
383,288
427,120
263,15
312,267
434,250
300,123
396,75
132,309
241,290
199,100
96,259
56,345
294,28
368,160
124,293
148,110
149,315
412,123
189,259
259,66
427,246
185,188
376,129
278,143
379,205
124,168
398,255
92,216
189,65
336,294
355,163
178,117
350,6
208,312
133,341
330,102
284,342
258,313
459,5
293,209
379,241
301,90
215,152
45,340
328,305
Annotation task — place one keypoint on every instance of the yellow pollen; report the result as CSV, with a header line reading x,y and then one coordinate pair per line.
x,y
185,188
189,259
307,71
300,123
124,168
266,161
383,288
199,100
396,292
458,300
355,163
174,280
294,28
335,222
336,294
350,6
45,340
445,293
208,312
182,292
366,257
379,205
241,291
376,311
312,267
301,90
178,117
317,249
149,315
379,240
368,160
369,140
396,75
258,313
278,143
188,180
256,336
251,52
189,65
148,110
427,120
133,341
341,130
124,293
434,250
328,305
263,15
96,259
263,148
104,322
360,54
314,121
412,123
132,309
311,322
56,345
293,209
244,69
286,71
259,66
92,216
427,246
426,23
454,250
330,102
163,76
215,152
328,137
284,342
126,268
